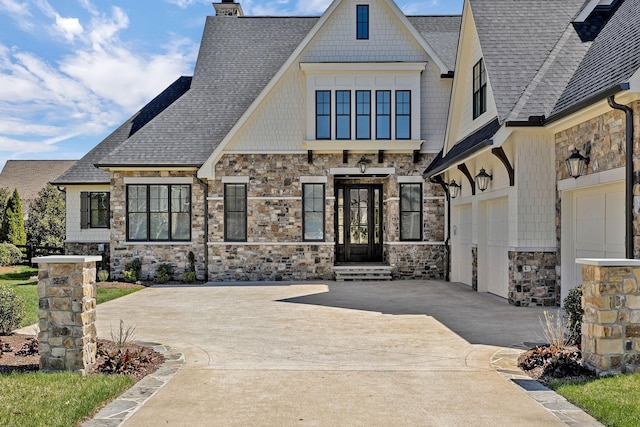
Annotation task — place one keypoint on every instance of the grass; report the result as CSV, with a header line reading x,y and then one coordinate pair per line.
x,y
19,277
613,401
37,399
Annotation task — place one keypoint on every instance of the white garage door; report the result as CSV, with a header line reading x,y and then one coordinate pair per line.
x,y
497,247
461,260
596,229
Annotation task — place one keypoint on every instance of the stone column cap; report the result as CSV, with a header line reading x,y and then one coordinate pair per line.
x,y
609,262
66,259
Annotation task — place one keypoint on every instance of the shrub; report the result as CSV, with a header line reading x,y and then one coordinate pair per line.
x,y
554,329
29,348
121,361
11,310
188,277
132,271
124,335
573,309
5,347
164,273
192,262
9,254
103,275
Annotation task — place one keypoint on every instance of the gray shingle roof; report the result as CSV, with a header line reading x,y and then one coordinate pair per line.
x,y
84,170
517,39
238,57
612,59
31,176
442,33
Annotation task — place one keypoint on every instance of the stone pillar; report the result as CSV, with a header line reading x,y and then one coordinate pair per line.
x,y
67,312
611,320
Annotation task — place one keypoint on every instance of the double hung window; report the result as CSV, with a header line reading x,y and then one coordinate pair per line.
x,y
323,114
363,114
362,22
383,114
343,114
94,209
403,114
479,89
410,211
313,212
235,212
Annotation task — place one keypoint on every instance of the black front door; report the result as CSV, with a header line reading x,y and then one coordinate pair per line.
x,y
359,223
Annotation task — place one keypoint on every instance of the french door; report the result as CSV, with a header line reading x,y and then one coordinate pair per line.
x,y
359,223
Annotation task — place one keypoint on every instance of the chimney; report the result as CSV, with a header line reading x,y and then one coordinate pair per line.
x,y
228,8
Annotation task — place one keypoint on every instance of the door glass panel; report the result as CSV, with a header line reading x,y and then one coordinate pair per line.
x,y
359,225
376,216
341,216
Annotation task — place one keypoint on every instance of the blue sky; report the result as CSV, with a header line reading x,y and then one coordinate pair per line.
x,y
73,70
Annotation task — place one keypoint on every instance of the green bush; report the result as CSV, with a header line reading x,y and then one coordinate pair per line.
x,y
12,310
132,271
164,273
9,254
573,309
103,275
188,277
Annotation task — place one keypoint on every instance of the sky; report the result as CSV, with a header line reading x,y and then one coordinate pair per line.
x,y
71,71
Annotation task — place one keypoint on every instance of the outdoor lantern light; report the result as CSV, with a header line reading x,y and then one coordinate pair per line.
x,y
576,163
454,189
362,164
482,179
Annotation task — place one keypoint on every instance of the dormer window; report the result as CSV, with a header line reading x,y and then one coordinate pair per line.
x,y
479,89
362,22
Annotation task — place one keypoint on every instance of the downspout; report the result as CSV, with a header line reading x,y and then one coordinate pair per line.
x,y
438,180
205,188
628,176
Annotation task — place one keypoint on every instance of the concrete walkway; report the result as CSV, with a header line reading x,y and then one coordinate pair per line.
x,y
404,353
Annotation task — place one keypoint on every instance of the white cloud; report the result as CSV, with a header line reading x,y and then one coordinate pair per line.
x,y
182,3
69,27
19,11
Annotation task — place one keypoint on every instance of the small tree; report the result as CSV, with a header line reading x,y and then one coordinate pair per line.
x,y
46,222
4,199
13,221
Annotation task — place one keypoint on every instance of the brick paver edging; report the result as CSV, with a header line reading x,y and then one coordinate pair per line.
x,y
125,405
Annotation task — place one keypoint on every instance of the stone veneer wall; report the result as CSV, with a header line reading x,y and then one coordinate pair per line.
x,y
611,320
151,254
67,312
606,133
275,250
474,268
532,278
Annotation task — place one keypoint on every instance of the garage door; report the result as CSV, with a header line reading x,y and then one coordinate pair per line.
x,y
596,229
461,260
497,247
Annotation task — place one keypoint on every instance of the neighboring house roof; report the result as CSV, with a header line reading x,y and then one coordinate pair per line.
x,y
84,170
520,42
31,176
238,57
611,60
442,33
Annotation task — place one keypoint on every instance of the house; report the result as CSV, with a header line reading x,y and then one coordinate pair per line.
x,y
297,146
539,85
31,176
434,146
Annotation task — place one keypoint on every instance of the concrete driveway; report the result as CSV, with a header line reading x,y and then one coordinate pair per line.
x,y
404,353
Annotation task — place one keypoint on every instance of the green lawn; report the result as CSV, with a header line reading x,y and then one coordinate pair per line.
x,y
613,401
19,280
37,399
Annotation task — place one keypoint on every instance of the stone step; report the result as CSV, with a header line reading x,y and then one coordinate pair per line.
x,y
362,272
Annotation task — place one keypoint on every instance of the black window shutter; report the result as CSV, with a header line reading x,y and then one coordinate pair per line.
x,y
84,210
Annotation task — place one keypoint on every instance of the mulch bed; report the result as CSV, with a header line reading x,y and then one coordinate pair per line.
x,y
11,362
544,365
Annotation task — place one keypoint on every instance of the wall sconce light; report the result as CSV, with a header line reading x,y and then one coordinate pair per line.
x,y
363,163
482,179
577,163
454,189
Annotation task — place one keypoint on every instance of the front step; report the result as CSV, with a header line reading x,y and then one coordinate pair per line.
x,y
362,272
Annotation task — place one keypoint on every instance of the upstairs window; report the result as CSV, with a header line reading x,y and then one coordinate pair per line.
x,y
362,22
363,114
343,114
479,89
323,114
403,114
383,114
94,210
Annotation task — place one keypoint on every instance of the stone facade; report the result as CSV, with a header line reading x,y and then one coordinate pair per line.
x,y
67,313
474,268
275,249
605,135
611,320
153,253
532,278
89,248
